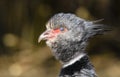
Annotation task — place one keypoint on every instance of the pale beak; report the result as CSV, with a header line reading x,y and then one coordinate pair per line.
x,y
43,36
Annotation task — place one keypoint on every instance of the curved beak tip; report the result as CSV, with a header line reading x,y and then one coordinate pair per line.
x,y
40,38
43,36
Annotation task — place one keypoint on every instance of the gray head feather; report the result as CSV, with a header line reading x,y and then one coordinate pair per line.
x,y
74,41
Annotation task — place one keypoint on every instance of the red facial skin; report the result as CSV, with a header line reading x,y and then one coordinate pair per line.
x,y
51,34
55,32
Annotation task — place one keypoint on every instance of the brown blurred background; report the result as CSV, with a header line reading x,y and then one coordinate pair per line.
x,y
22,21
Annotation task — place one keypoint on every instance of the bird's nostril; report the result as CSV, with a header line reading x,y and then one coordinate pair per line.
x,y
46,33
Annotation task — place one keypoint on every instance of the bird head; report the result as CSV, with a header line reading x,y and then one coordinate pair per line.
x,y
67,34
69,27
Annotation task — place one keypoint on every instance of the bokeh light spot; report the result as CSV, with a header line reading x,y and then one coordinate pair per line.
x,y
15,69
10,40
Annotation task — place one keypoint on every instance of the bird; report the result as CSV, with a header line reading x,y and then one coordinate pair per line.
x,y
67,36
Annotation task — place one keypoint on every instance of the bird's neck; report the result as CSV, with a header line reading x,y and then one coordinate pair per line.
x,y
68,52
75,59
81,68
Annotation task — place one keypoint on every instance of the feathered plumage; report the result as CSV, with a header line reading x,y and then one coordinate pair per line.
x,y
67,36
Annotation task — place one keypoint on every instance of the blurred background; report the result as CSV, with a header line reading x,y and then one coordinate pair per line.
x,y
22,21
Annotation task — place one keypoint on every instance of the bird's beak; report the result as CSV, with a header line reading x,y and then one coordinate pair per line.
x,y
43,36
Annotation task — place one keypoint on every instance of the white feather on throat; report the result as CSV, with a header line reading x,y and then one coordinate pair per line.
x,y
72,61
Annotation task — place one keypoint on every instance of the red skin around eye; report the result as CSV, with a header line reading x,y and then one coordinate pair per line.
x,y
53,33
56,31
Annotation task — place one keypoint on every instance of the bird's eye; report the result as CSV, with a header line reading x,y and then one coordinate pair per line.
x,y
61,28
